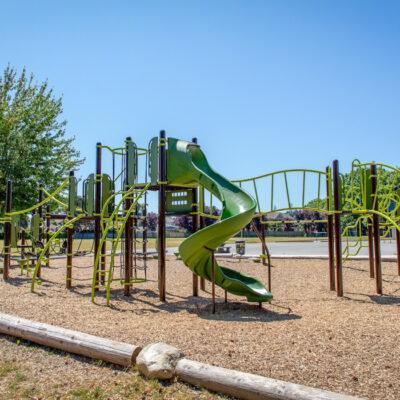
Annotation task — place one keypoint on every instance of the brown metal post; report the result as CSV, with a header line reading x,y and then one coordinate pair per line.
x,y
202,225
103,263
266,259
195,224
398,251
70,244
398,248
371,250
263,249
40,237
194,229
134,233
48,225
97,209
213,282
329,231
338,238
144,237
162,177
70,241
375,224
7,233
128,231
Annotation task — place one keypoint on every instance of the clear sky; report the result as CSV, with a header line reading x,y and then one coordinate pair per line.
x,y
264,85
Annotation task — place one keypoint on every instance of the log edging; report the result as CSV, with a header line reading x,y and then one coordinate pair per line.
x,y
249,386
231,382
69,340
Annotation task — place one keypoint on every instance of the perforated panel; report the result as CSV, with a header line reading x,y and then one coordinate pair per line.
x,y
179,201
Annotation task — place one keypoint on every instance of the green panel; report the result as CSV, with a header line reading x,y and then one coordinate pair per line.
x,y
132,158
88,195
73,195
179,201
14,230
107,190
153,160
177,171
35,222
368,190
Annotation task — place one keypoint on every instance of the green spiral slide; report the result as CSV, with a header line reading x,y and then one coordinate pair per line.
x,y
187,165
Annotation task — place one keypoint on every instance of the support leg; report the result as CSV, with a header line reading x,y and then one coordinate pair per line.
x,y
161,217
70,233
7,234
371,250
375,224
213,282
398,251
338,238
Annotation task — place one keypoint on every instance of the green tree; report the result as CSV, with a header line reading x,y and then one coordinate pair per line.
x,y
388,182
34,147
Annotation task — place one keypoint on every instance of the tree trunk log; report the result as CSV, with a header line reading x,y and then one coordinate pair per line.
x,y
248,386
68,340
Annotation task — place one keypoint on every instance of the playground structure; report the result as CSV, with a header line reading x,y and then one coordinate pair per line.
x,y
179,172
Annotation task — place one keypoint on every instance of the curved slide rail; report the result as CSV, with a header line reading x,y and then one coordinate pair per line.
x,y
190,166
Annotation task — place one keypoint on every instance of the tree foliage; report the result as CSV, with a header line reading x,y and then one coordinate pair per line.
x,y
152,218
351,196
33,144
186,221
314,216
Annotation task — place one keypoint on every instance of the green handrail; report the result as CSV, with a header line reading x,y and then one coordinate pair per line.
x,y
62,204
68,224
116,242
105,230
43,202
285,173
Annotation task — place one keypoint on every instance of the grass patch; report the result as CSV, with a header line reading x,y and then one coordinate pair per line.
x,y
87,394
6,368
17,381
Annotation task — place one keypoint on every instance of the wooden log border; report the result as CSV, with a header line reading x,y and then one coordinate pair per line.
x,y
68,340
248,386
234,383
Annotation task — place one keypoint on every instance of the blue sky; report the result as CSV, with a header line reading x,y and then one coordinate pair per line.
x,y
264,85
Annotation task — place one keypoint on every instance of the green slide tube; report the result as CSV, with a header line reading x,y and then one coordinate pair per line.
x,y
187,165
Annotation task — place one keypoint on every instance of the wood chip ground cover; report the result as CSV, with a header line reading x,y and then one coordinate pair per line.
x,y
306,335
